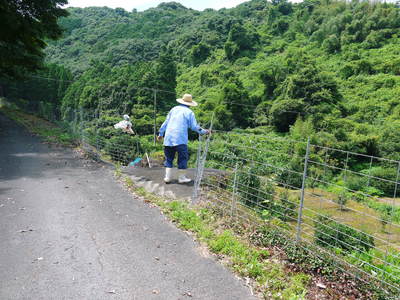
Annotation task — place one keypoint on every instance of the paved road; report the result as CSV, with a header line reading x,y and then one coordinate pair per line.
x,y
69,231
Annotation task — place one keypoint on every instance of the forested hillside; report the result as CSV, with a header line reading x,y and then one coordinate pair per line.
x,y
334,64
269,76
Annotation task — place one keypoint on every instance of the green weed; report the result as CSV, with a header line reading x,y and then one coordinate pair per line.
x,y
118,171
49,131
245,259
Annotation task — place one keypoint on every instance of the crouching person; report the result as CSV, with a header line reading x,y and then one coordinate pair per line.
x,y
175,133
125,125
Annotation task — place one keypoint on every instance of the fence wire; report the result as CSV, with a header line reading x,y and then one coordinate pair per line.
x,y
343,203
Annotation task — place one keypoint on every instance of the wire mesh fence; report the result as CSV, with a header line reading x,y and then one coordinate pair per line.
x,y
342,203
345,204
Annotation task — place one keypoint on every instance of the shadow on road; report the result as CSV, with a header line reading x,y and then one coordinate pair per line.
x,y
25,155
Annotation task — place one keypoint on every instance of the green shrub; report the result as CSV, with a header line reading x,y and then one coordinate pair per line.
x,y
389,272
372,191
123,148
341,195
356,182
384,208
331,234
382,173
288,177
47,111
267,191
248,183
307,257
359,197
285,207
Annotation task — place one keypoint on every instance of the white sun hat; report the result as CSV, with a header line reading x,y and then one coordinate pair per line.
x,y
126,118
187,100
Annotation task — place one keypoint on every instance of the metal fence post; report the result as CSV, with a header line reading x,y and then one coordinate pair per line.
x,y
233,208
396,185
198,162
200,170
201,164
343,192
199,152
303,186
395,189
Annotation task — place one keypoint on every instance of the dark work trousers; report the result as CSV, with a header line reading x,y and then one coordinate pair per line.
x,y
183,156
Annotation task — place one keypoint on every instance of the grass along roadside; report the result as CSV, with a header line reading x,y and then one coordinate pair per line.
x,y
47,130
268,277
266,271
269,274
274,232
52,133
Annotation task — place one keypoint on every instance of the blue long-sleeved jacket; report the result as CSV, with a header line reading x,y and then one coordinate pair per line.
x,y
175,128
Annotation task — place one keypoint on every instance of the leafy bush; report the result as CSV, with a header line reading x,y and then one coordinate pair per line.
x,y
267,191
372,191
359,197
342,195
48,111
123,148
249,183
389,272
383,185
331,234
313,260
291,174
285,207
331,44
356,182
383,208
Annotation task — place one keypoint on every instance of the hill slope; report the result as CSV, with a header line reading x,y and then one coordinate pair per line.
x,y
331,63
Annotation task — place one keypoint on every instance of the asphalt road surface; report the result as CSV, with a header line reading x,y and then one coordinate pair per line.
x,y
68,230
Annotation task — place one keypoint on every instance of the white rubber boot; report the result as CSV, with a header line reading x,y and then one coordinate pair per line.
x,y
183,178
168,175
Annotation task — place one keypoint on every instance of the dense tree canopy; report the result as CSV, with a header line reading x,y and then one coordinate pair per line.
x,y
334,64
273,72
24,27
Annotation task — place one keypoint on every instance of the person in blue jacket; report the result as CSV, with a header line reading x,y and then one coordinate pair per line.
x,y
175,133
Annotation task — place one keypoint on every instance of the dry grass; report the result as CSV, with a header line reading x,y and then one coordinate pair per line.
x,y
320,202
